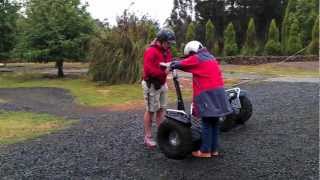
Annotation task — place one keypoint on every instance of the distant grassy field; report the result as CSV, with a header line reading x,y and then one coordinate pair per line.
x,y
19,126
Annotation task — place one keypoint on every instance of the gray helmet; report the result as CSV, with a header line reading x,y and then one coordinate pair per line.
x,y
166,35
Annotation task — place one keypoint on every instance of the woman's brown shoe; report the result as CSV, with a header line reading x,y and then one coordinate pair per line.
x,y
200,154
215,154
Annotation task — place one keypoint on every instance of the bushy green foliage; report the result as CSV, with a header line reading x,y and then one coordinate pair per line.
x,y
190,34
294,39
313,47
285,25
8,18
250,46
115,59
230,45
273,46
116,55
152,32
175,51
305,12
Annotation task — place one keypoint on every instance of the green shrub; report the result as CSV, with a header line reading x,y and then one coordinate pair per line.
x,y
117,54
190,34
230,45
210,36
294,41
313,47
250,46
116,59
273,46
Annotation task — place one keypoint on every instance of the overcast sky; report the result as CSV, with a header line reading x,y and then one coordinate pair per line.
x,y
110,9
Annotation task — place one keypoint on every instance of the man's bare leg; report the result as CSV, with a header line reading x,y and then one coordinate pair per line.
x,y
159,116
148,129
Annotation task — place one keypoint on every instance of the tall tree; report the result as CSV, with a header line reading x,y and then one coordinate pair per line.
x,y
181,16
56,30
230,45
273,46
214,11
8,18
250,46
238,12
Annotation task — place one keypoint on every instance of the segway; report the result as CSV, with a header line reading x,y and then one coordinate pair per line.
x,y
180,133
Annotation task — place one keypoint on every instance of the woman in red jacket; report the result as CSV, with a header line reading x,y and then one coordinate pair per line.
x,y
209,96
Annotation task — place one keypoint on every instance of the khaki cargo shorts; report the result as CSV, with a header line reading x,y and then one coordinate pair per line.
x,y
155,99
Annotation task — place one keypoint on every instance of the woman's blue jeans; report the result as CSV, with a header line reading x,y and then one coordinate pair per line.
x,y
209,134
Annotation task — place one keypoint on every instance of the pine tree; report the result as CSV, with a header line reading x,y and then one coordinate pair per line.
x,y
273,46
250,46
313,47
294,39
190,35
210,35
230,45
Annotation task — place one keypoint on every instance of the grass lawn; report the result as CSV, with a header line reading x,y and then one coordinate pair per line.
x,y
85,91
19,126
2,101
93,94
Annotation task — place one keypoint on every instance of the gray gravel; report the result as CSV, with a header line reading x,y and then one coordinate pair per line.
x,y
280,141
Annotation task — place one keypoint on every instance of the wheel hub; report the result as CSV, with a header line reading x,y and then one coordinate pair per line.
x,y
174,139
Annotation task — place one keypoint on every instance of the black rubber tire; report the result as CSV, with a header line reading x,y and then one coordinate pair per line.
x,y
228,123
245,111
183,132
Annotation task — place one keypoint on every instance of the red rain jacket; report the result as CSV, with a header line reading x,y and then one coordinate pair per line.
x,y
153,55
209,95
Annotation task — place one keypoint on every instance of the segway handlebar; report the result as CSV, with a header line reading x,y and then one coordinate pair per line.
x,y
180,103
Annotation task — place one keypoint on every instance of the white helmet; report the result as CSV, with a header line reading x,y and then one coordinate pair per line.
x,y
192,47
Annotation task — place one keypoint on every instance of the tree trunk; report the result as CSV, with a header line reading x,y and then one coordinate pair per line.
x,y
59,65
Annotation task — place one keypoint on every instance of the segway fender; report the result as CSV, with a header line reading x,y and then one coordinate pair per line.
x,y
243,93
179,116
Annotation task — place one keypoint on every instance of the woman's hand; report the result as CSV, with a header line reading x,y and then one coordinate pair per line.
x,y
167,65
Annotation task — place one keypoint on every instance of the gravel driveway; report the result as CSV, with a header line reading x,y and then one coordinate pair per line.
x,y
280,141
